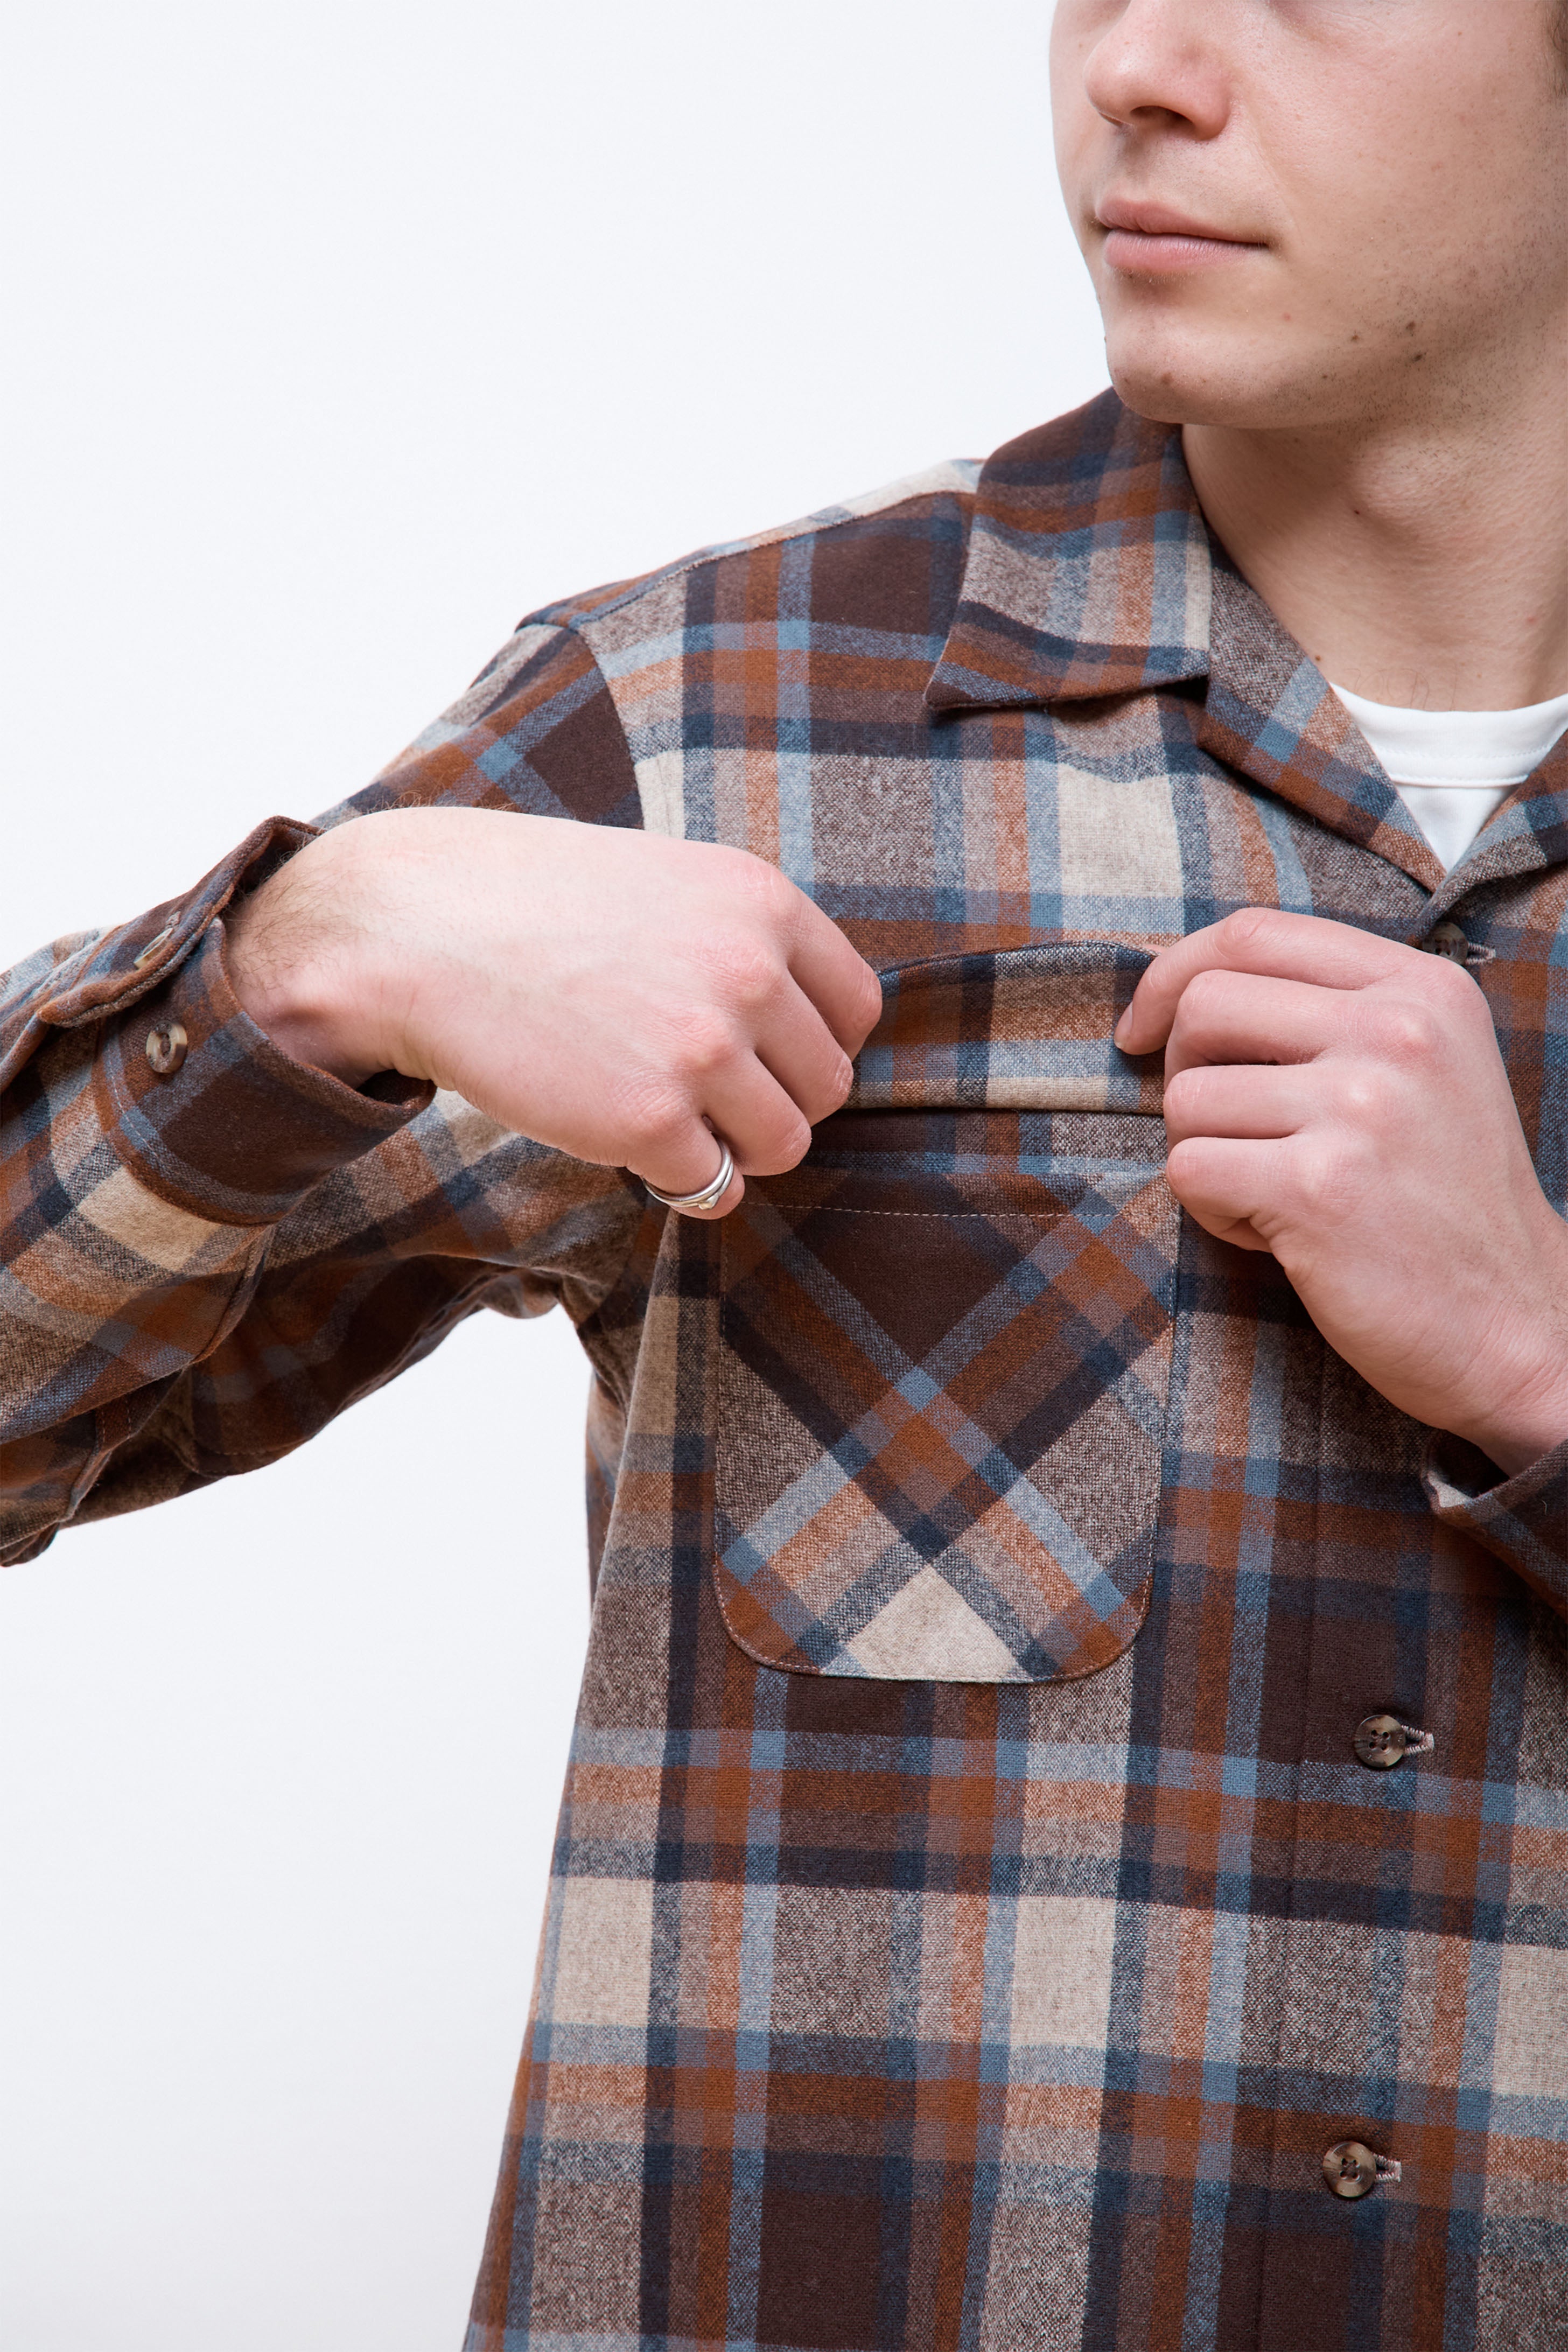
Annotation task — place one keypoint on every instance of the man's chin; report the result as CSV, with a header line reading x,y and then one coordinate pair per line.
x,y
1191,355
1163,397
1195,388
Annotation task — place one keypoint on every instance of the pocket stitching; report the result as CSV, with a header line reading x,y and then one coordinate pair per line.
x,y
982,1216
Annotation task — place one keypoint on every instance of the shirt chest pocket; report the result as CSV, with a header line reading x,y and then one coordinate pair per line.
x,y
944,1341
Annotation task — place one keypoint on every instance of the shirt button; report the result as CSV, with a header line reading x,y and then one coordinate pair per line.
x,y
1447,939
1352,2170
167,1048
1382,1741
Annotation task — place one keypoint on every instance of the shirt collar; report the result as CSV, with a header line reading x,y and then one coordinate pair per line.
x,y
1091,571
1271,712
1088,567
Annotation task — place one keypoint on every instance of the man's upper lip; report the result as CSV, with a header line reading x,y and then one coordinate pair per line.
x,y
1148,219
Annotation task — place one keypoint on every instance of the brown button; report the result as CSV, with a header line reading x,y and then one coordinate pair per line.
x,y
1447,939
1382,1741
1352,2170
167,1048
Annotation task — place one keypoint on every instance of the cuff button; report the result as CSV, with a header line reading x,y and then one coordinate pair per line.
x,y
167,1048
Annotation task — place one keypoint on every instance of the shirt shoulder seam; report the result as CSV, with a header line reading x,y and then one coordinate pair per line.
x,y
952,474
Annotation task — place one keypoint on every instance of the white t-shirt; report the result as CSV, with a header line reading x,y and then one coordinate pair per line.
x,y
1452,768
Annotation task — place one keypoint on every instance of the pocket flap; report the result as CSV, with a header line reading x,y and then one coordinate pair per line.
x,y
1028,1029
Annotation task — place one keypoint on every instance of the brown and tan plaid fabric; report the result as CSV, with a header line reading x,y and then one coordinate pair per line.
x,y
971,1922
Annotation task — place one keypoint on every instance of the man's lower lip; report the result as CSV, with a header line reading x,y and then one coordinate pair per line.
x,y
1146,257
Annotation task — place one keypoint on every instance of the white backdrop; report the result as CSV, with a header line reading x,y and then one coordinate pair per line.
x,y
336,335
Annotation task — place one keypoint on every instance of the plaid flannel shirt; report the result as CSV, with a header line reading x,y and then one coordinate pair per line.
x,y
971,1921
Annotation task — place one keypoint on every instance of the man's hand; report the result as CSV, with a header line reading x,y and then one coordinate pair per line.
x,y
623,997
1340,1101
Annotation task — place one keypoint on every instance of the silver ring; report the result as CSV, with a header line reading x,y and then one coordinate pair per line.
x,y
711,1194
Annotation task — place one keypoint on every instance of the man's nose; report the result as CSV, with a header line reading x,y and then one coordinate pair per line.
x,y
1162,58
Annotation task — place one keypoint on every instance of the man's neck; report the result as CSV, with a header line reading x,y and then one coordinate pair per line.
x,y
1418,565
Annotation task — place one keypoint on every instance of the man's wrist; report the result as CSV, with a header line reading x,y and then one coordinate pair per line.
x,y
1531,1419
289,949
1514,1445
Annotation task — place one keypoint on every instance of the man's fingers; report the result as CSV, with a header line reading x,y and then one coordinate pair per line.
x,y
1227,1185
839,981
798,1048
764,1128
688,1162
1257,1102
1262,940
764,1097
1233,1016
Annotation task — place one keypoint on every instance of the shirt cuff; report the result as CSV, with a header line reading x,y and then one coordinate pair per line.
x,y
196,1101
1522,1519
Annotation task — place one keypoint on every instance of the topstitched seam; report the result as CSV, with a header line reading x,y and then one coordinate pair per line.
x,y
952,1216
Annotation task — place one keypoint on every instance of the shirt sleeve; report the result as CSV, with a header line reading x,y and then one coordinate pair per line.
x,y
1522,1519
206,1248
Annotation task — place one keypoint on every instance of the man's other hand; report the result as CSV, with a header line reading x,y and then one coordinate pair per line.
x,y
1339,1100
621,996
